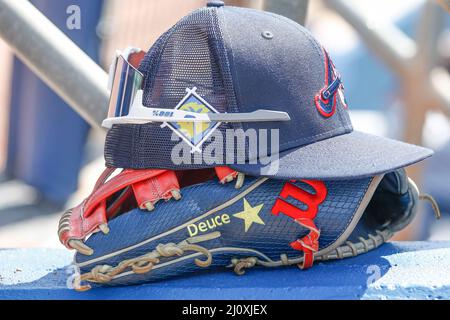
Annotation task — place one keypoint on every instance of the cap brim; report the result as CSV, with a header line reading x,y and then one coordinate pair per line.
x,y
348,156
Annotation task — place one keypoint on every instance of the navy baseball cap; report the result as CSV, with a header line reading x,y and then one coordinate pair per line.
x,y
238,60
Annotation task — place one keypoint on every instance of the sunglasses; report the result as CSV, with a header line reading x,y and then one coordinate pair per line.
x,y
125,103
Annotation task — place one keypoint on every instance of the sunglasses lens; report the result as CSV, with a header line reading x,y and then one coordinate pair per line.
x,y
126,81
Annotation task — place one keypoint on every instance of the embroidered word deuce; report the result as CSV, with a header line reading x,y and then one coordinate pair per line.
x,y
309,243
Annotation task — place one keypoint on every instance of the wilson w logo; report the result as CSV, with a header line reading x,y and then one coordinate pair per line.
x,y
305,217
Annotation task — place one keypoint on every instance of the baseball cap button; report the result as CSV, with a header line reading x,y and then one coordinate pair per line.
x,y
215,3
267,35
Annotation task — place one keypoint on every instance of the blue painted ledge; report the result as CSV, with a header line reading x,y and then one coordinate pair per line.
x,y
416,270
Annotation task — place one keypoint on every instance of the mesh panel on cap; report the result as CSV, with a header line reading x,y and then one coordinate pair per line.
x,y
190,54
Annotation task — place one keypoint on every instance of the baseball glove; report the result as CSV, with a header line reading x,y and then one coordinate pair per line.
x,y
207,221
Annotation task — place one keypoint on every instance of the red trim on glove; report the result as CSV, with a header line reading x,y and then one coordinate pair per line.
x,y
155,188
148,185
225,173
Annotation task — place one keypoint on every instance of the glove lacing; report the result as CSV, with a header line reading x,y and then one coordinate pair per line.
x,y
146,262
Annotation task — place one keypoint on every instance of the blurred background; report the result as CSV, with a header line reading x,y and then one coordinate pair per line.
x,y
394,57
